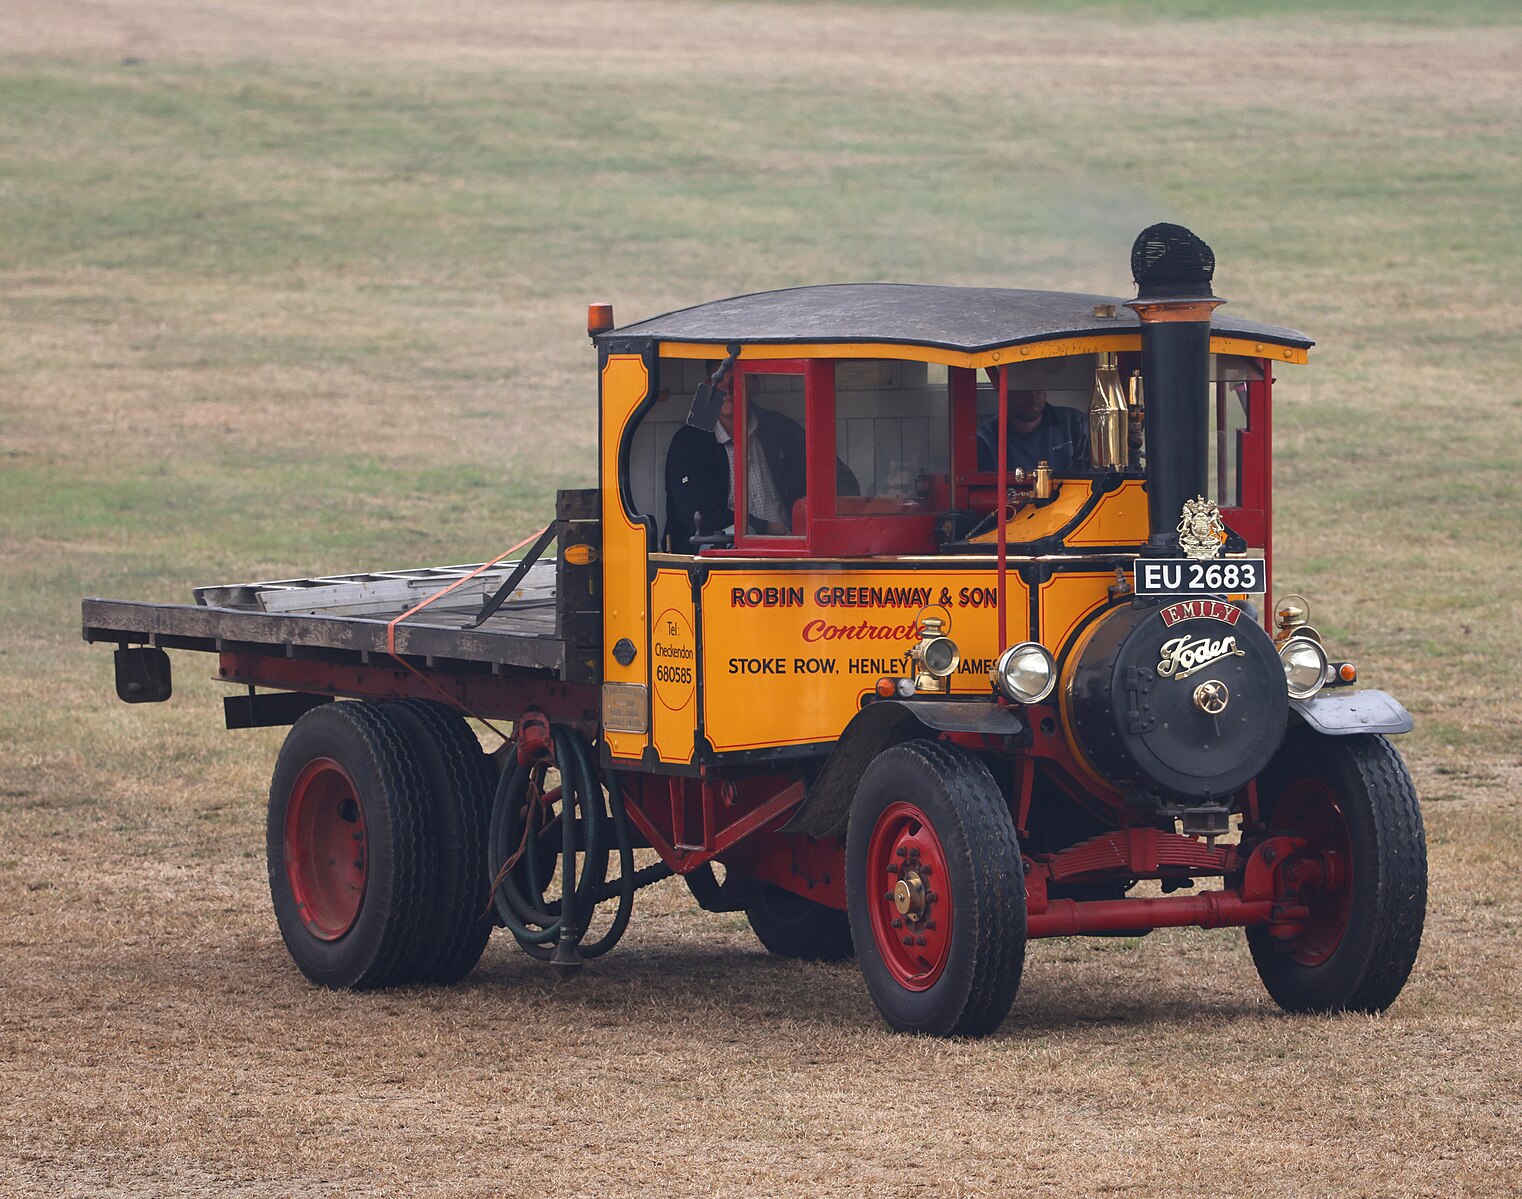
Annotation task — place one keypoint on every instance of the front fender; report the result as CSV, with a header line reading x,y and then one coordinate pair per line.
x,y
1352,712
877,726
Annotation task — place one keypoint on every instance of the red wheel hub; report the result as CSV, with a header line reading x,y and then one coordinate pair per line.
x,y
909,896
325,851
1309,809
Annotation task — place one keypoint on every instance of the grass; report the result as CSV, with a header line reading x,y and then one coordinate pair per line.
x,y
293,289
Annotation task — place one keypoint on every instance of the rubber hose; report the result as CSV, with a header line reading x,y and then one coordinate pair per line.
x,y
626,875
520,910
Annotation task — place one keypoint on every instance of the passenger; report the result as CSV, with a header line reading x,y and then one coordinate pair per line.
x,y
700,475
1038,432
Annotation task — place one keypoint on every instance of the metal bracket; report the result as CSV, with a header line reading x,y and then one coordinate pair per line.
x,y
512,580
1139,718
143,675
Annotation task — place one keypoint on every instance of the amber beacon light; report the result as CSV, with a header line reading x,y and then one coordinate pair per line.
x,y
599,319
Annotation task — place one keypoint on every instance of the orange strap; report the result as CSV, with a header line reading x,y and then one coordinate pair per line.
x,y
453,700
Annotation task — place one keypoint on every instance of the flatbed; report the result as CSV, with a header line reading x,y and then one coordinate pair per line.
x,y
350,619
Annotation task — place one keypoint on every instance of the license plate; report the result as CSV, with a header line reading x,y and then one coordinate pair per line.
x,y
1192,576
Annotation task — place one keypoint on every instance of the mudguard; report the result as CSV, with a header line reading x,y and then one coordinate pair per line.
x,y
1353,712
877,726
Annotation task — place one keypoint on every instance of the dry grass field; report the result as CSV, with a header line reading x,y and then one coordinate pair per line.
x,y
291,288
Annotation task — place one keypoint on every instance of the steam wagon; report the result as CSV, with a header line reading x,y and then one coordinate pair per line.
x,y
938,618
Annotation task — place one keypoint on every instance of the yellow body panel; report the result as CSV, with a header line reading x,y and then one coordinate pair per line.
x,y
625,383
1065,599
1035,521
1120,518
788,654
673,666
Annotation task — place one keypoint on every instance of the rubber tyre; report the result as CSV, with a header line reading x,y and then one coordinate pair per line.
x,y
381,943
970,823
1386,899
791,926
459,782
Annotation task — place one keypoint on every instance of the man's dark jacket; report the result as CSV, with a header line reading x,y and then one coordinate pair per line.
x,y
1061,440
697,477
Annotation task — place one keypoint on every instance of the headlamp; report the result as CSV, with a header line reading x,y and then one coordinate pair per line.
x,y
935,657
1026,672
1305,666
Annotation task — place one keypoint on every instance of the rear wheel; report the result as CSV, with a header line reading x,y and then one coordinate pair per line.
x,y
791,926
459,783
351,856
936,891
1352,801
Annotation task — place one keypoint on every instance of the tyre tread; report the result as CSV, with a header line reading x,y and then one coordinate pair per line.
x,y
1379,954
457,928
396,813
994,865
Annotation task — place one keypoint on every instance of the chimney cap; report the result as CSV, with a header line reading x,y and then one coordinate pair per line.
x,y
1169,262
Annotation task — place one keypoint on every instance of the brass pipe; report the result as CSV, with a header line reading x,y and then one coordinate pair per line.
x,y
1108,432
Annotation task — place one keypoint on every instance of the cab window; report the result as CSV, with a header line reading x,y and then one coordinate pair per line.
x,y
768,455
892,433
1230,379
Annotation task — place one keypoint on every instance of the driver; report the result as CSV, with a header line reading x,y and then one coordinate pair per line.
x,y
700,475
1038,432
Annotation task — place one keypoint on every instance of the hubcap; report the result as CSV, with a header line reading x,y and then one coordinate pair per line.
x,y
325,848
909,897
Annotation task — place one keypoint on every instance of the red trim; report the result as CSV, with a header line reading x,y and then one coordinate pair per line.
x,y
1265,895
964,433
826,527
1001,506
819,404
1253,519
497,696
1214,909
768,545
794,862
758,801
1025,790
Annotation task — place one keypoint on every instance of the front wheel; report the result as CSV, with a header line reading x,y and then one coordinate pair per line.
x,y
1352,801
935,891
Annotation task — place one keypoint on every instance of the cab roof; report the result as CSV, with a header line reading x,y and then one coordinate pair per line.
x,y
966,319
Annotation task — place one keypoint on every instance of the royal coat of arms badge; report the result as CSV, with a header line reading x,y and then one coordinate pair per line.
x,y
1201,532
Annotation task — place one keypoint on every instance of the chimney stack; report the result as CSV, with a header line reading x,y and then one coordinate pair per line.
x,y
1173,268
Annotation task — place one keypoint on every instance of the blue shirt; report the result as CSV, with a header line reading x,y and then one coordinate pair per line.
x,y
1061,440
